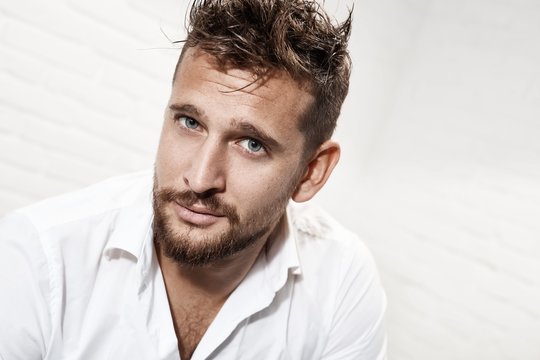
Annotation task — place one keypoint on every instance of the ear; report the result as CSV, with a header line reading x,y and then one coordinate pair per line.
x,y
318,171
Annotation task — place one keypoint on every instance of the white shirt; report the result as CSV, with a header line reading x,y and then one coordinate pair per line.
x,y
79,279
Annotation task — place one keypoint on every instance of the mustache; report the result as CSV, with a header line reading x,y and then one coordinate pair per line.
x,y
188,198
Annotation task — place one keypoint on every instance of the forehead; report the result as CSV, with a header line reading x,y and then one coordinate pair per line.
x,y
226,93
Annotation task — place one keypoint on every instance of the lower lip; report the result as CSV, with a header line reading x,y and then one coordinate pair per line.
x,y
195,218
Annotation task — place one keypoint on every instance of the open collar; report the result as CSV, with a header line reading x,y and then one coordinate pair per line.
x,y
282,254
132,228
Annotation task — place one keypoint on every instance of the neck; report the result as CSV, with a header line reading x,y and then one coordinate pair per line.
x,y
215,280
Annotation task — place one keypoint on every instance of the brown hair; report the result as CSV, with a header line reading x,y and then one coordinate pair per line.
x,y
296,36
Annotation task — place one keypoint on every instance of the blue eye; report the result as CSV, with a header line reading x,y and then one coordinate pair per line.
x,y
251,145
188,122
254,145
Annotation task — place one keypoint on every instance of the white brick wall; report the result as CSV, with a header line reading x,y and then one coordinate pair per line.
x,y
83,87
447,173
441,166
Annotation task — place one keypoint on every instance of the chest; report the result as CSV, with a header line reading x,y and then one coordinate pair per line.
x,y
141,328
190,323
137,323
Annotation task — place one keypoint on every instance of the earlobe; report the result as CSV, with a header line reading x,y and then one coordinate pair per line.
x,y
318,171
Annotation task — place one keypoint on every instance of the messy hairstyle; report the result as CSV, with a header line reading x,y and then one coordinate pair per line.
x,y
295,36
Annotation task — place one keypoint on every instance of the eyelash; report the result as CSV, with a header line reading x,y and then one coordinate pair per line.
x,y
263,150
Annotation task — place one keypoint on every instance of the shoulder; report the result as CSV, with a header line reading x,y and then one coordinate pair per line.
x,y
333,259
72,227
75,228
339,275
94,200
320,235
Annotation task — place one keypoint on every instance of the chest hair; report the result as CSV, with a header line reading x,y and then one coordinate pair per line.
x,y
190,324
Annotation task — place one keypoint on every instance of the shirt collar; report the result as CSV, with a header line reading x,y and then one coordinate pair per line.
x,y
282,254
132,229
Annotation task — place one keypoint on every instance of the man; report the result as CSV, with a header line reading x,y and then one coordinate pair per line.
x,y
206,260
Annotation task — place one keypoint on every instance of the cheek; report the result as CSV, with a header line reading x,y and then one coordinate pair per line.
x,y
260,185
170,158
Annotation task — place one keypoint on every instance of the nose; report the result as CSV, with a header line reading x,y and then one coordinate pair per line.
x,y
206,175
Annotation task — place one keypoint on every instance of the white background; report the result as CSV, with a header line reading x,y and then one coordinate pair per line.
x,y
440,171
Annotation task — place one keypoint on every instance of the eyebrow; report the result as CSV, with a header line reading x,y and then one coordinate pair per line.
x,y
188,109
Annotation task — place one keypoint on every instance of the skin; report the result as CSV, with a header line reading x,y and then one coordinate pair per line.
x,y
227,137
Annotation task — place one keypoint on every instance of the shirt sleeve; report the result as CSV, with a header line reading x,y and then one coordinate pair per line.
x,y
24,311
357,330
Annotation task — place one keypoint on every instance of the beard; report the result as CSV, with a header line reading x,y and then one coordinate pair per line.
x,y
188,244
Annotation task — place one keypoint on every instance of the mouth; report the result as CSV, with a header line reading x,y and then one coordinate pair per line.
x,y
197,215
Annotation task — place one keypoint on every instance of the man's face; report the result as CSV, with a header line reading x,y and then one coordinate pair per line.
x,y
229,158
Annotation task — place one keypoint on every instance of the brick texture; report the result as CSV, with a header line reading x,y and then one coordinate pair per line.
x,y
83,88
446,189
